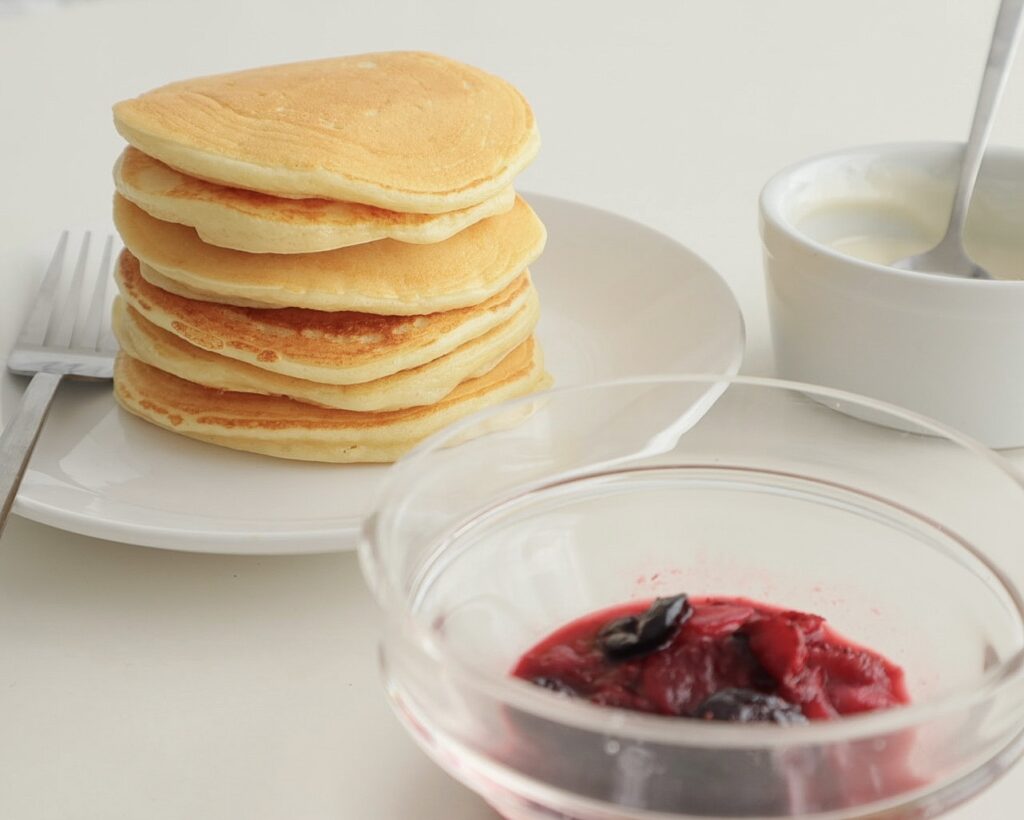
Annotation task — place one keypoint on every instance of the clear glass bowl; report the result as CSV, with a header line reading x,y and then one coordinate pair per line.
x,y
522,518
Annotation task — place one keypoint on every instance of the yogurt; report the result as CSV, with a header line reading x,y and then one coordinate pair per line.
x,y
893,216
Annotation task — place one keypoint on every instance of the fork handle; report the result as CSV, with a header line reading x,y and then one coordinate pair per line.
x,y
20,435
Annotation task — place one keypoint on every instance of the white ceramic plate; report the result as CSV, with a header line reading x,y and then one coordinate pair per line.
x,y
618,299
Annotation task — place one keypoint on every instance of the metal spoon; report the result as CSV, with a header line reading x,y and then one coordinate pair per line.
x,y
949,256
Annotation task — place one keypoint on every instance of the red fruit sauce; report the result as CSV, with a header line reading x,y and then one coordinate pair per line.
x,y
722,644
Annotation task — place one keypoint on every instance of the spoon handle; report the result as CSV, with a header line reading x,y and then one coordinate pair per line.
x,y
1000,57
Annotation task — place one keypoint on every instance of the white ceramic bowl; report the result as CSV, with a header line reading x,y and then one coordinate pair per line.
x,y
950,348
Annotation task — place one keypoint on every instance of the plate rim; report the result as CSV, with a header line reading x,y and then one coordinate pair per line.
x,y
205,541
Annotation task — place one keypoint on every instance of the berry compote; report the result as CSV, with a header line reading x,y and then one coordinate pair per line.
x,y
714,659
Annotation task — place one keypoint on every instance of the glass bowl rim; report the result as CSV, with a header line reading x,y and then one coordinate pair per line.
x,y
655,728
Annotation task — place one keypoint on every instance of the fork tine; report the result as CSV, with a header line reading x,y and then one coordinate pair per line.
x,y
108,342
87,334
69,309
33,332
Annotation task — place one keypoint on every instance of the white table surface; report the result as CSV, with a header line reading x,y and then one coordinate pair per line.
x,y
136,683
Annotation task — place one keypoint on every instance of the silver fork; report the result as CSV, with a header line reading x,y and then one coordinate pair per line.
x,y
56,341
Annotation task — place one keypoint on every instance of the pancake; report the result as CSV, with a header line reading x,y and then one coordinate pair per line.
x,y
426,384
289,429
329,348
406,131
260,223
386,277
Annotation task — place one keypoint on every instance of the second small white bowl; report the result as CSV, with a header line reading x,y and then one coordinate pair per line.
x,y
946,347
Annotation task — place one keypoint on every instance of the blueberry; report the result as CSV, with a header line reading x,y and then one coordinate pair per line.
x,y
618,638
638,635
748,706
759,676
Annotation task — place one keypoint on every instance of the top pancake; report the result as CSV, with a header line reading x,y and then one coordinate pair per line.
x,y
406,131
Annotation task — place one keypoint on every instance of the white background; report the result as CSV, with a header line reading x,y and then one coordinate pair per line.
x,y
143,684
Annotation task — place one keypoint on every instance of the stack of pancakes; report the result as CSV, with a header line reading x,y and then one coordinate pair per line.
x,y
325,260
